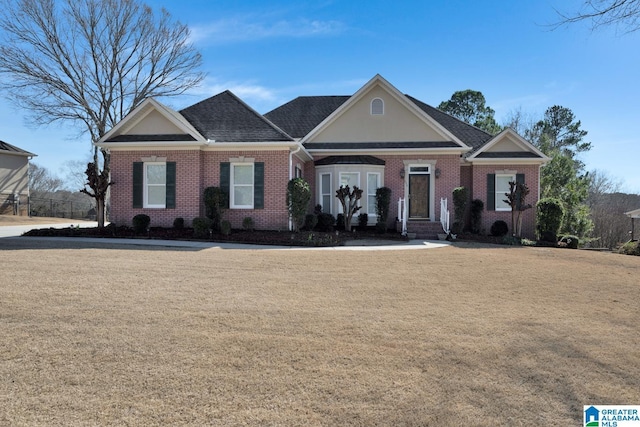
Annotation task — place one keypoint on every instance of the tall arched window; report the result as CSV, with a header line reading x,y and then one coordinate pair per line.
x,y
377,107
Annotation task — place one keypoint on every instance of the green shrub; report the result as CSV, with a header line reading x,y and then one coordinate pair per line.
x,y
630,248
570,241
460,195
340,222
499,228
363,220
456,227
247,224
298,197
326,221
178,223
141,223
202,226
477,206
381,227
310,221
549,214
383,200
225,227
216,201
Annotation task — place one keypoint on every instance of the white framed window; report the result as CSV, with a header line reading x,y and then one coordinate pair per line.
x,y
373,183
241,186
298,172
351,179
326,192
155,185
502,187
377,107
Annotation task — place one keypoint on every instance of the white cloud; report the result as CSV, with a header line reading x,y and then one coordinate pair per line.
x,y
250,28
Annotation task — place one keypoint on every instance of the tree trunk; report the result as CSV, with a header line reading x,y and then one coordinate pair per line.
x,y
100,214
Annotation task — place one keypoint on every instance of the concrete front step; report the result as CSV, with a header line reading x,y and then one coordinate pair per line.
x,y
427,230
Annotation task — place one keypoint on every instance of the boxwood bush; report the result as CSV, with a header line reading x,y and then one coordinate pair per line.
x,y
499,228
141,223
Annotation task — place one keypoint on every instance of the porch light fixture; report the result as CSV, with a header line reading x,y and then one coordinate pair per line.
x,y
402,173
437,173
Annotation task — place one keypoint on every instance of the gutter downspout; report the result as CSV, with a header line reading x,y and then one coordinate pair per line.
x,y
291,153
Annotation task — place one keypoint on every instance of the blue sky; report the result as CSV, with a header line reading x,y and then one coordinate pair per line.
x,y
270,52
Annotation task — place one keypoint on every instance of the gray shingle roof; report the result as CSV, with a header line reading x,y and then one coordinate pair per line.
x,y
159,137
350,160
470,135
8,148
379,145
508,155
301,115
226,118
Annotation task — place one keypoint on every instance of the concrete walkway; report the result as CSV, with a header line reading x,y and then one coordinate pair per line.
x,y
8,233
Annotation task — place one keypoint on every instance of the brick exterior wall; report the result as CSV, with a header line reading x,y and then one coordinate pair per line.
x,y
531,178
449,166
196,170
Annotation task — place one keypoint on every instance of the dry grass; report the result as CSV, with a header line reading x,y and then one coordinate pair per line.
x,y
465,335
34,220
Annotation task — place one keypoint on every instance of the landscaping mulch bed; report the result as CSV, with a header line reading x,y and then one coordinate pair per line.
x,y
260,237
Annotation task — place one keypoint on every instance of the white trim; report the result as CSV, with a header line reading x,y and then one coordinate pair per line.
x,y
510,174
232,185
145,185
371,110
340,174
522,143
368,194
321,194
141,111
378,80
408,164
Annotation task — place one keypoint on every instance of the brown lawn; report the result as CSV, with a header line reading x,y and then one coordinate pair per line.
x,y
464,335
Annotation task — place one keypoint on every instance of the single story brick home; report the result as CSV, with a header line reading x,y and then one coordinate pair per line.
x,y
162,159
14,179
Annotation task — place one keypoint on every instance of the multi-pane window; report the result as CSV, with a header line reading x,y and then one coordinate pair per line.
x,y
155,185
352,179
242,186
325,192
377,107
502,187
373,183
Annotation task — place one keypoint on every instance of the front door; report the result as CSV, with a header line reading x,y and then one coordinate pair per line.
x,y
419,196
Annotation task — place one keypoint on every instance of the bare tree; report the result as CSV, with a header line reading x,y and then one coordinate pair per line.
x,y
607,205
42,181
90,63
624,14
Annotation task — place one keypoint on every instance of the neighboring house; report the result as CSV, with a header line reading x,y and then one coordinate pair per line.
x,y
161,159
14,179
635,214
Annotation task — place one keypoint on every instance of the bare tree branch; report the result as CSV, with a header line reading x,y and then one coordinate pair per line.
x,y
90,63
624,14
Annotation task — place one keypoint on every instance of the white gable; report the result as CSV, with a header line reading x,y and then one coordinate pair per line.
x,y
152,118
507,147
154,123
396,124
401,120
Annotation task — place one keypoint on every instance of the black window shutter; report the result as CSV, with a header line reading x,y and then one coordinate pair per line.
x,y
138,180
171,185
225,179
491,192
258,185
